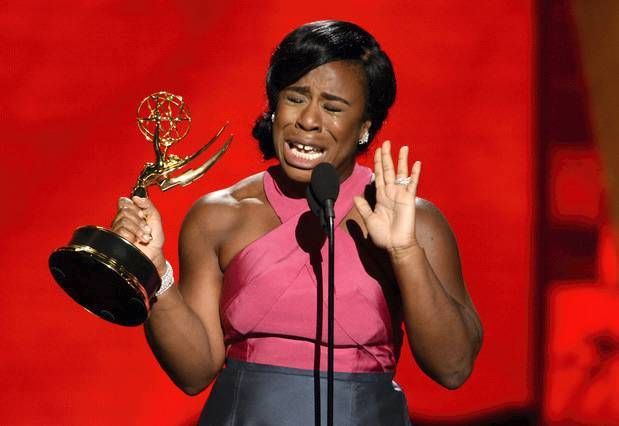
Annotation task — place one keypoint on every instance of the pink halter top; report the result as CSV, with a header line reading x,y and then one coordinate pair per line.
x,y
269,302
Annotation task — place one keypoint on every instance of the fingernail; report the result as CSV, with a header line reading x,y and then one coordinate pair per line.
x,y
146,229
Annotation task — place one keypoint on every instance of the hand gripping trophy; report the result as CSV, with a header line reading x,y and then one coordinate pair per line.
x,y
101,270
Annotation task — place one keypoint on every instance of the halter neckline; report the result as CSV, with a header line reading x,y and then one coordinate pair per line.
x,y
287,207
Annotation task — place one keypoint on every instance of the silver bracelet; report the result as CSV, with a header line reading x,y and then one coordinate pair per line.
x,y
167,279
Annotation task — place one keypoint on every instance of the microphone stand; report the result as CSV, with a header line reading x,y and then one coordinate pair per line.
x,y
330,215
321,194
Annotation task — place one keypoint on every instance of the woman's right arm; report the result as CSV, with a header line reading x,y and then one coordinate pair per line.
x,y
183,329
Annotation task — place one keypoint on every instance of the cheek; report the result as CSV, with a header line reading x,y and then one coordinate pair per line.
x,y
347,132
276,140
277,134
285,115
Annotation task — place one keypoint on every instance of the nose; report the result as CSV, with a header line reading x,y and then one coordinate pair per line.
x,y
309,118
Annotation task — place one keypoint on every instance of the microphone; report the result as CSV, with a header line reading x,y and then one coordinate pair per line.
x,y
322,191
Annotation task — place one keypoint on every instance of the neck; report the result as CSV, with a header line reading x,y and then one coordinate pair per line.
x,y
290,188
296,189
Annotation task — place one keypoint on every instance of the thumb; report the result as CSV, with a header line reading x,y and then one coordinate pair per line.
x,y
146,205
364,208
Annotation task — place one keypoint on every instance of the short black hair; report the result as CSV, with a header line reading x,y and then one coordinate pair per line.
x,y
315,44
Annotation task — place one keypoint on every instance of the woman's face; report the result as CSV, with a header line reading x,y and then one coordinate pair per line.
x,y
320,118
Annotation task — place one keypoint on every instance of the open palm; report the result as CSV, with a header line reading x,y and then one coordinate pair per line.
x,y
391,224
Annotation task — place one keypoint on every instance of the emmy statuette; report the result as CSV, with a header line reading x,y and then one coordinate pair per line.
x,y
101,270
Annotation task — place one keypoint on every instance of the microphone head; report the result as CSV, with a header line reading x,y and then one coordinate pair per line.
x,y
325,183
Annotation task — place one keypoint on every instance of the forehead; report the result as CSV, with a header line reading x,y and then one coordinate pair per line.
x,y
337,78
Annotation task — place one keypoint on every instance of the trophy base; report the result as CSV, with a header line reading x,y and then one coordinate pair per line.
x,y
107,275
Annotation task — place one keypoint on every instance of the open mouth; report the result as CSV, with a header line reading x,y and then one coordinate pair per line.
x,y
306,152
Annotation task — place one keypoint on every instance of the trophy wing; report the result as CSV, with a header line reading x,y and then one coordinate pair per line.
x,y
193,174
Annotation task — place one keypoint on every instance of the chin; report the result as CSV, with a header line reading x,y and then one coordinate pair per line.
x,y
296,174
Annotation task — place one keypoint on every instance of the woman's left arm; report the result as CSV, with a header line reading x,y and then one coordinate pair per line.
x,y
443,328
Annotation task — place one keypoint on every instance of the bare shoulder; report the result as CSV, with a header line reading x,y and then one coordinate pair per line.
x,y
427,210
218,212
431,224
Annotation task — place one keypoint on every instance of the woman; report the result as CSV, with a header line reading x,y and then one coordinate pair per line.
x,y
250,256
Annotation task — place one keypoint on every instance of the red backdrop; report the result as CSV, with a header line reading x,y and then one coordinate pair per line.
x,y
73,76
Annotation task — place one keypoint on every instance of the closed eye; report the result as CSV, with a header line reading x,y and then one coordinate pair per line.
x,y
332,108
294,99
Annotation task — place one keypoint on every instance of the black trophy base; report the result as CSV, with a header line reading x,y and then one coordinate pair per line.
x,y
107,275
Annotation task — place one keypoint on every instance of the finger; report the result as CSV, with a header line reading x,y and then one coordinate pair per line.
x,y
126,234
125,204
129,210
124,201
378,170
415,174
388,169
403,163
145,205
132,217
132,230
363,207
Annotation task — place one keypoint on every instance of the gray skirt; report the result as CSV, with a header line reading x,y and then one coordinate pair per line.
x,y
249,394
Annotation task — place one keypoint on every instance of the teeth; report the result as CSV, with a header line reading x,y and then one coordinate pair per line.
x,y
305,151
308,155
305,148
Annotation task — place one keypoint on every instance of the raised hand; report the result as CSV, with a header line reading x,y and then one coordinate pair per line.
x,y
391,224
138,221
